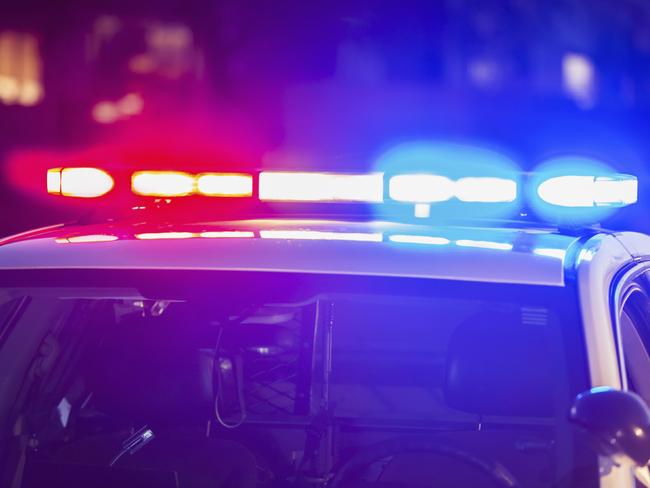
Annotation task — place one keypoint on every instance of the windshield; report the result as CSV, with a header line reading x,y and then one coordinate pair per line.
x,y
252,379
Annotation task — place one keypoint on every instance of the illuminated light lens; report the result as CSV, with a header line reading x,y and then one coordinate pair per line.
x,y
321,235
589,191
162,183
421,188
437,241
549,252
486,189
79,182
165,235
224,185
226,234
314,187
501,246
54,181
87,238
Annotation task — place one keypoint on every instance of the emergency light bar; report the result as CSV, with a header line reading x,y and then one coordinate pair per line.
x,y
578,191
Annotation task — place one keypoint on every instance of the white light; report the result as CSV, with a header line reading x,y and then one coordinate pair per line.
x,y
224,185
501,246
486,189
589,191
421,188
321,235
165,235
578,75
436,241
314,187
549,252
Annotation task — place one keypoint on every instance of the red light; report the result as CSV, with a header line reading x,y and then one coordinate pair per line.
x,y
79,182
162,183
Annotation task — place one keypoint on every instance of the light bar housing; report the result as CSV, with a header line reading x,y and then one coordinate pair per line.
x,y
553,196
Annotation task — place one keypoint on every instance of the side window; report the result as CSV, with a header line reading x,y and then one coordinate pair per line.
x,y
9,309
635,339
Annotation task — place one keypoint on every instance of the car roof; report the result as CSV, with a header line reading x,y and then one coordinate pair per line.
x,y
504,255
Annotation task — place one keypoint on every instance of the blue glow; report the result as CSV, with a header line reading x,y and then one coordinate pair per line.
x,y
578,190
428,188
449,175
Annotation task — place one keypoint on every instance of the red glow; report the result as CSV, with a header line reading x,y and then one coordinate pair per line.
x,y
195,141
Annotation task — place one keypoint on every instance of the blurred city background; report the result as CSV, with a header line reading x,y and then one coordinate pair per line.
x,y
329,84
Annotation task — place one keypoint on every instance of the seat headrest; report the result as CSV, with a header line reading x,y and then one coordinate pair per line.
x,y
496,365
155,370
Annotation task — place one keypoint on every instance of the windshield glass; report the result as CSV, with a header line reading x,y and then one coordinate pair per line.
x,y
249,379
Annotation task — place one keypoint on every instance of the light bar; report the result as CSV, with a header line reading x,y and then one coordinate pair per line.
x,y
421,188
164,235
589,191
486,190
321,187
427,188
162,183
221,234
224,185
79,182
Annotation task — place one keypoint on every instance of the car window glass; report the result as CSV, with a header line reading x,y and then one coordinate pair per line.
x,y
635,331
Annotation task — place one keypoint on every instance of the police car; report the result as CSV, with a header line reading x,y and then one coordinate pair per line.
x,y
236,329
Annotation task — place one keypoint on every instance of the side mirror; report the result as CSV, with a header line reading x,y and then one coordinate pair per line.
x,y
617,421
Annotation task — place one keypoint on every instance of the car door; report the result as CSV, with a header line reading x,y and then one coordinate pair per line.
x,y
633,334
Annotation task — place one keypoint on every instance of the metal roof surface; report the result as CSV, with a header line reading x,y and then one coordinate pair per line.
x,y
526,256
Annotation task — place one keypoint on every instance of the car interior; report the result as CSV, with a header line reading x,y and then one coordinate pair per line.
x,y
337,390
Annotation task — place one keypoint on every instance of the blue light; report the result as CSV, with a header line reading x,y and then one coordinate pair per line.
x,y
460,181
427,188
589,191
421,188
578,190
486,190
